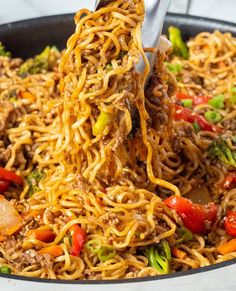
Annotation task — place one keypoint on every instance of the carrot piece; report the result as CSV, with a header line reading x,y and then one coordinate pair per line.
x,y
45,235
54,251
227,247
13,229
27,95
99,201
179,254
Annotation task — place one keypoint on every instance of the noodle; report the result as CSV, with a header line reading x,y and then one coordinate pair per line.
x,y
102,148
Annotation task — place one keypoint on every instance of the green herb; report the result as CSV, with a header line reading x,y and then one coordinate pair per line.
x,y
122,54
3,51
219,149
33,179
174,68
217,101
104,253
213,116
187,102
196,126
5,270
37,64
184,235
109,67
179,46
159,256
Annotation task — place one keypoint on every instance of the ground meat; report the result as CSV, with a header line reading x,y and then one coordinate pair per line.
x,y
5,153
176,144
110,218
32,257
6,108
230,124
11,245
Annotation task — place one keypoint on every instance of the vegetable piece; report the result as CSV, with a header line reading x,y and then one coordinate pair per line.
x,y
54,251
195,217
27,95
174,68
10,219
230,223
233,97
5,270
187,102
78,240
219,149
184,235
3,51
196,126
159,257
179,254
188,115
229,179
103,120
197,100
213,116
179,46
45,235
104,253
37,64
33,179
4,185
10,176
217,101
227,247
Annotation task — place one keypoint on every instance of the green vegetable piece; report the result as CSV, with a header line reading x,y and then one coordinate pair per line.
x,y
213,116
103,120
159,257
106,253
219,149
94,246
217,101
187,102
233,89
122,54
196,126
37,64
5,270
3,51
184,235
33,179
174,68
109,67
179,46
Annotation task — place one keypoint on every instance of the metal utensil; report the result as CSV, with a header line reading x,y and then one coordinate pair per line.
x,y
152,27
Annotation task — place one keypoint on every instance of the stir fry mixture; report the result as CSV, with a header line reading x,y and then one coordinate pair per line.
x,y
102,177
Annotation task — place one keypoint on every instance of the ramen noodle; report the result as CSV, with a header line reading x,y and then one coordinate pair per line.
x,y
103,177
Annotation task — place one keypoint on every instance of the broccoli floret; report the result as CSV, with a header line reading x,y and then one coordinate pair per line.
x,y
33,179
3,51
159,256
219,149
37,64
179,46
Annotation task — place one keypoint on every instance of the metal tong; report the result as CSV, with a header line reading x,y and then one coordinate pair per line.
x,y
152,27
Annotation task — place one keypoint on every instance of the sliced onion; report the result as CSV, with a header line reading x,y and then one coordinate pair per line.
x,y
10,219
200,195
164,45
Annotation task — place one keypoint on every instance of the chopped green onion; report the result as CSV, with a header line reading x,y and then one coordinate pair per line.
x,y
94,245
196,126
106,253
233,89
4,52
187,102
103,120
5,270
213,116
122,54
174,68
233,97
184,234
217,101
33,179
109,67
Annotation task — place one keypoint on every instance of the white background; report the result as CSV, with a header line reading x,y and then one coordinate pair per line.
x,y
12,10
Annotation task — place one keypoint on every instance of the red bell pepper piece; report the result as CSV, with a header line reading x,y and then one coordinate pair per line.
x,y
197,218
229,179
4,186
230,223
182,113
10,176
78,240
